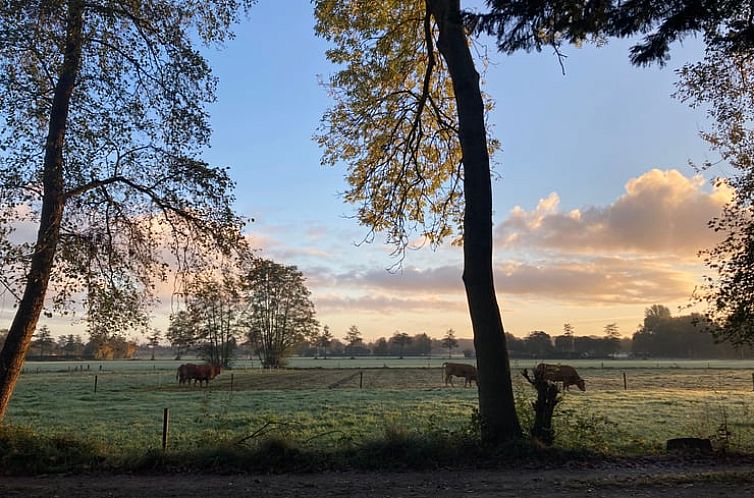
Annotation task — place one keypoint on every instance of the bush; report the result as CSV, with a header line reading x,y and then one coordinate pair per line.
x,y
23,451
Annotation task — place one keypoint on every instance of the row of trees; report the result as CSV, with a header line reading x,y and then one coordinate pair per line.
x,y
540,344
249,300
661,335
44,346
222,332
399,344
254,300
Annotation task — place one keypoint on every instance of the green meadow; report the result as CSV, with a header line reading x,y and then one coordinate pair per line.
x,y
336,408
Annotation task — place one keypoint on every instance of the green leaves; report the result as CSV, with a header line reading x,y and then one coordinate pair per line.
x,y
135,187
393,121
723,84
279,313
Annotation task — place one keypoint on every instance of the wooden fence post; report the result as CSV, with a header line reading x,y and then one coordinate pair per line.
x,y
231,382
361,379
625,383
95,383
752,381
165,427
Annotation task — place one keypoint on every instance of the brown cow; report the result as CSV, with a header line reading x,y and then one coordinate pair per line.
x,y
560,373
468,372
200,373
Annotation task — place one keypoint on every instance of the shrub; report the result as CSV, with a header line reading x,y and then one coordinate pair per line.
x,y
23,451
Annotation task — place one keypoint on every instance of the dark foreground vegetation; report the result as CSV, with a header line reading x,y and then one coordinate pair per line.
x,y
23,452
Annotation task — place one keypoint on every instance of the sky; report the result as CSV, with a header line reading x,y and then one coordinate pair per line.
x,y
597,212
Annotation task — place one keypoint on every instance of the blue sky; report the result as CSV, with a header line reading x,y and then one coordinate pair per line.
x,y
597,213
582,136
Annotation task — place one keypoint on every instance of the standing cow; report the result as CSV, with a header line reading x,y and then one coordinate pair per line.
x,y
468,372
200,373
560,373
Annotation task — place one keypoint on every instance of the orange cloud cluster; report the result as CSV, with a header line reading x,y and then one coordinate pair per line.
x,y
661,212
601,280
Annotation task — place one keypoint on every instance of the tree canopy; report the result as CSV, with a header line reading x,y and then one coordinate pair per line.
x,y
279,314
132,179
722,85
393,120
103,119
532,25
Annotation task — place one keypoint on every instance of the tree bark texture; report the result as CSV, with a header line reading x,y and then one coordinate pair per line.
x,y
496,403
53,201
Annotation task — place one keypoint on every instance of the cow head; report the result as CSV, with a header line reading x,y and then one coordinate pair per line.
x,y
581,384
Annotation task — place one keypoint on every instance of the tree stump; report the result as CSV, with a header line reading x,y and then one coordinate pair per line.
x,y
547,399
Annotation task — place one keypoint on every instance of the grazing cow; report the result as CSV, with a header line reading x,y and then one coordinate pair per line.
x,y
468,372
200,373
560,373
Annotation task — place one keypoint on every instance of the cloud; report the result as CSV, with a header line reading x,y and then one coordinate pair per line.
x,y
661,212
385,304
596,281
439,280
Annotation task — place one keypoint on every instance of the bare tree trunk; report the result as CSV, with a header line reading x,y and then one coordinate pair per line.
x,y
32,302
496,403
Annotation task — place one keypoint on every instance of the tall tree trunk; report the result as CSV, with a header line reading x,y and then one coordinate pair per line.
x,y
32,302
496,403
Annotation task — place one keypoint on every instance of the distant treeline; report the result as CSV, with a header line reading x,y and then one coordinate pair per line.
x,y
660,336
540,344
397,345
73,347
687,336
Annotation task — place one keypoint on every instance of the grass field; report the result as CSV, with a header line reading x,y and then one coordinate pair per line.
x,y
380,362
324,407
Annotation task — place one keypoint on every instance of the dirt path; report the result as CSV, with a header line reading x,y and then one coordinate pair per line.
x,y
696,481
